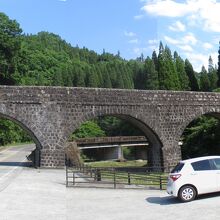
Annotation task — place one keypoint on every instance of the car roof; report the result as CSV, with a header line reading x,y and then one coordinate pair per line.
x,y
199,159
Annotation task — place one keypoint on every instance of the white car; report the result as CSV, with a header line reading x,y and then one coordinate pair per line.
x,y
193,177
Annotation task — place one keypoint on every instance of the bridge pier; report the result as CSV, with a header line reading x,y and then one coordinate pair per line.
x,y
171,156
52,158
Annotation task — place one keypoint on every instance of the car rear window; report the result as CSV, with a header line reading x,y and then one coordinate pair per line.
x,y
201,165
177,168
216,163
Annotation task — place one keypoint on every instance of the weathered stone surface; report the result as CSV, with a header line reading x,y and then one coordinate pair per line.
x,y
51,114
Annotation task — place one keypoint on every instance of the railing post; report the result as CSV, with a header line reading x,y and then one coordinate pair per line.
x,y
99,177
129,179
67,177
161,185
73,178
114,179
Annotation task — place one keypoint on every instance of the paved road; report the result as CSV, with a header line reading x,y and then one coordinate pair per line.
x,y
12,160
41,194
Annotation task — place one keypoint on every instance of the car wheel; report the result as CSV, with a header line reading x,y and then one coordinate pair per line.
x,y
187,193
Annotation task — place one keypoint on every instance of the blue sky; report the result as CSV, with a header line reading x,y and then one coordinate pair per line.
x,y
191,27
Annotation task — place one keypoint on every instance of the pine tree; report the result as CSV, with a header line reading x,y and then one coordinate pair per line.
x,y
155,60
218,72
204,80
106,79
80,78
91,77
151,81
212,74
180,68
193,82
168,78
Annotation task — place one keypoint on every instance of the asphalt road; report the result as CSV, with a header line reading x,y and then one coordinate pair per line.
x,y
41,194
12,160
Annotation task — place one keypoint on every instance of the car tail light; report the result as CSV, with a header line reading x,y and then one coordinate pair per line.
x,y
175,177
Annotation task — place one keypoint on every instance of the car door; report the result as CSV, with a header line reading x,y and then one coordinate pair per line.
x,y
204,176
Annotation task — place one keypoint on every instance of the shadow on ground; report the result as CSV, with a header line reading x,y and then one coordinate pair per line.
x,y
16,164
169,200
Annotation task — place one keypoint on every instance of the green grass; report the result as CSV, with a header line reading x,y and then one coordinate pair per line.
x,y
132,163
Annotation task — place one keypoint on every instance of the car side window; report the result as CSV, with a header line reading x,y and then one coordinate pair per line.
x,y
201,165
216,163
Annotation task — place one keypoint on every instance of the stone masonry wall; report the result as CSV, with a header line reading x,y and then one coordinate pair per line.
x,y
51,114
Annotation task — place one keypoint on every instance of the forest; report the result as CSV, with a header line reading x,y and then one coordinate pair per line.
x,y
45,59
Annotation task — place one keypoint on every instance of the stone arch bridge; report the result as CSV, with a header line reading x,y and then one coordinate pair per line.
x,y
51,114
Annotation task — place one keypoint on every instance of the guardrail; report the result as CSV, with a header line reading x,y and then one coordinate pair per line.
x,y
116,177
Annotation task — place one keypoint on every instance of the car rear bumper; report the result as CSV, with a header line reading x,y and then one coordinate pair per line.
x,y
172,189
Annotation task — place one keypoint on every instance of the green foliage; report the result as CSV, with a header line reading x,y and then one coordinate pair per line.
x,y
113,126
202,138
11,133
204,80
88,129
193,82
151,80
9,48
167,74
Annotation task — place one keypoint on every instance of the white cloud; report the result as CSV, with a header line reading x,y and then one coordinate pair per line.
x,y
154,41
139,50
197,59
207,46
133,41
186,48
178,26
182,42
138,17
168,8
171,40
203,13
190,39
62,0
129,34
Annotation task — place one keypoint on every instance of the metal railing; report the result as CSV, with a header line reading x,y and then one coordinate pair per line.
x,y
116,177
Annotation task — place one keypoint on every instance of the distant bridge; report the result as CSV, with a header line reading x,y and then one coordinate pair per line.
x,y
102,142
111,148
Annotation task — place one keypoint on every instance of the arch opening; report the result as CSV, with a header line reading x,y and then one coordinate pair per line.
x,y
17,138
120,125
201,137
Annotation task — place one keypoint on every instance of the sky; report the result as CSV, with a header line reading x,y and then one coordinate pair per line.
x,y
191,27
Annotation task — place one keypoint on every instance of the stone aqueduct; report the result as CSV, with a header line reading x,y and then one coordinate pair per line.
x,y
51,114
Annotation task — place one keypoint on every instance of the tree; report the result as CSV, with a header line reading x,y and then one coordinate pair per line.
x,y
155,60
212,74
180,68
168,78
88,129
10,32
218,71
193,82
204,80
151,81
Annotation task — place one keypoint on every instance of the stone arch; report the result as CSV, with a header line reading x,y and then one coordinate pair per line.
x,y
155,157
24,127
36,152
215,112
